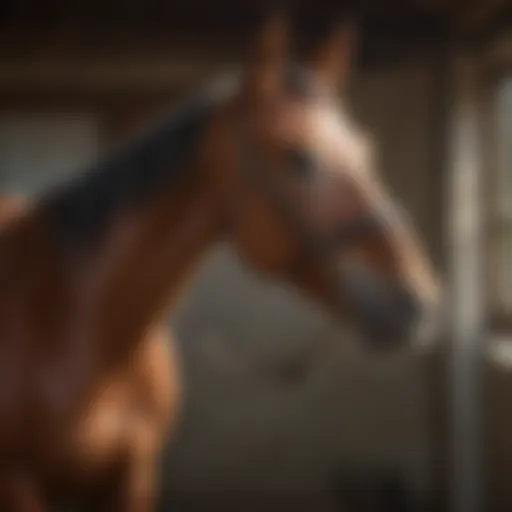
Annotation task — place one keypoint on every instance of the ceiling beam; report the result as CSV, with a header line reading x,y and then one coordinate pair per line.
x,y
106,75
479,15
466,17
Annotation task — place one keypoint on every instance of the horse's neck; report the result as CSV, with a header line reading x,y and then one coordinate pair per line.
x,y
11,207
133,280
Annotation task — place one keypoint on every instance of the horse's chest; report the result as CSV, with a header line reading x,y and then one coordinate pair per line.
x,y
100,433
135,407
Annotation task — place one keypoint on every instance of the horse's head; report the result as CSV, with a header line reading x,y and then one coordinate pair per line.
x,y
302,199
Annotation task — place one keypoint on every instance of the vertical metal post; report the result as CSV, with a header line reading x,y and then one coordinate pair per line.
x,y
466,287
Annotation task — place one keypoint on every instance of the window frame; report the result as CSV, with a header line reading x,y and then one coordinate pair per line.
x,y
497,67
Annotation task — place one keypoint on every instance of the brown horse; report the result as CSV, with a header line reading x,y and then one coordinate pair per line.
x,y
10,208
88,390
154,372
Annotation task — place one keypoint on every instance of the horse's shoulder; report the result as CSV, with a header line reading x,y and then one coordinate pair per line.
x,y
11,207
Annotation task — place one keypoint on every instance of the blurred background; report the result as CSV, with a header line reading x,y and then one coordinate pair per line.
x,y
285,411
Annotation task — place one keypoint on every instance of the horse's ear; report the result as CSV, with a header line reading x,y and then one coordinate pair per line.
x,y
269,55
332,61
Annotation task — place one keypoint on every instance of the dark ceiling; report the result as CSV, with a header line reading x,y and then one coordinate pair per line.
x,y
391,29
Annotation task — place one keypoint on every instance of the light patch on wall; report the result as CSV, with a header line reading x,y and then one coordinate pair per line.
x,y
38,150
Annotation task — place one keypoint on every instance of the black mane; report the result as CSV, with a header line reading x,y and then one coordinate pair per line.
x,y
82,209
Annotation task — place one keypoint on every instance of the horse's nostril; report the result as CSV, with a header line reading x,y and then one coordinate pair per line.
x,y
398,319
430,325
388,315
409,308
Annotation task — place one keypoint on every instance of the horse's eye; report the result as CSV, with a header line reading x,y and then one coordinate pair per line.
x,y
302,162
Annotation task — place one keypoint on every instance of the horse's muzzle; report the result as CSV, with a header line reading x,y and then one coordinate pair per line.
x,y
389,315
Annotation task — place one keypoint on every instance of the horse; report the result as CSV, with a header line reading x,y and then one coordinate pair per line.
x,y
157,348
10,208
268,160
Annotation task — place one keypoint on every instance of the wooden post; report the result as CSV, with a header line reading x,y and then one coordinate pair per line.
x,y
435,364
464,239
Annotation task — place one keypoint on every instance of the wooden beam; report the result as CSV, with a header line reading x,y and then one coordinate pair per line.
x,y
227,33
496,56
478,16
466,315
436,367
465,16
62,101
105,75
